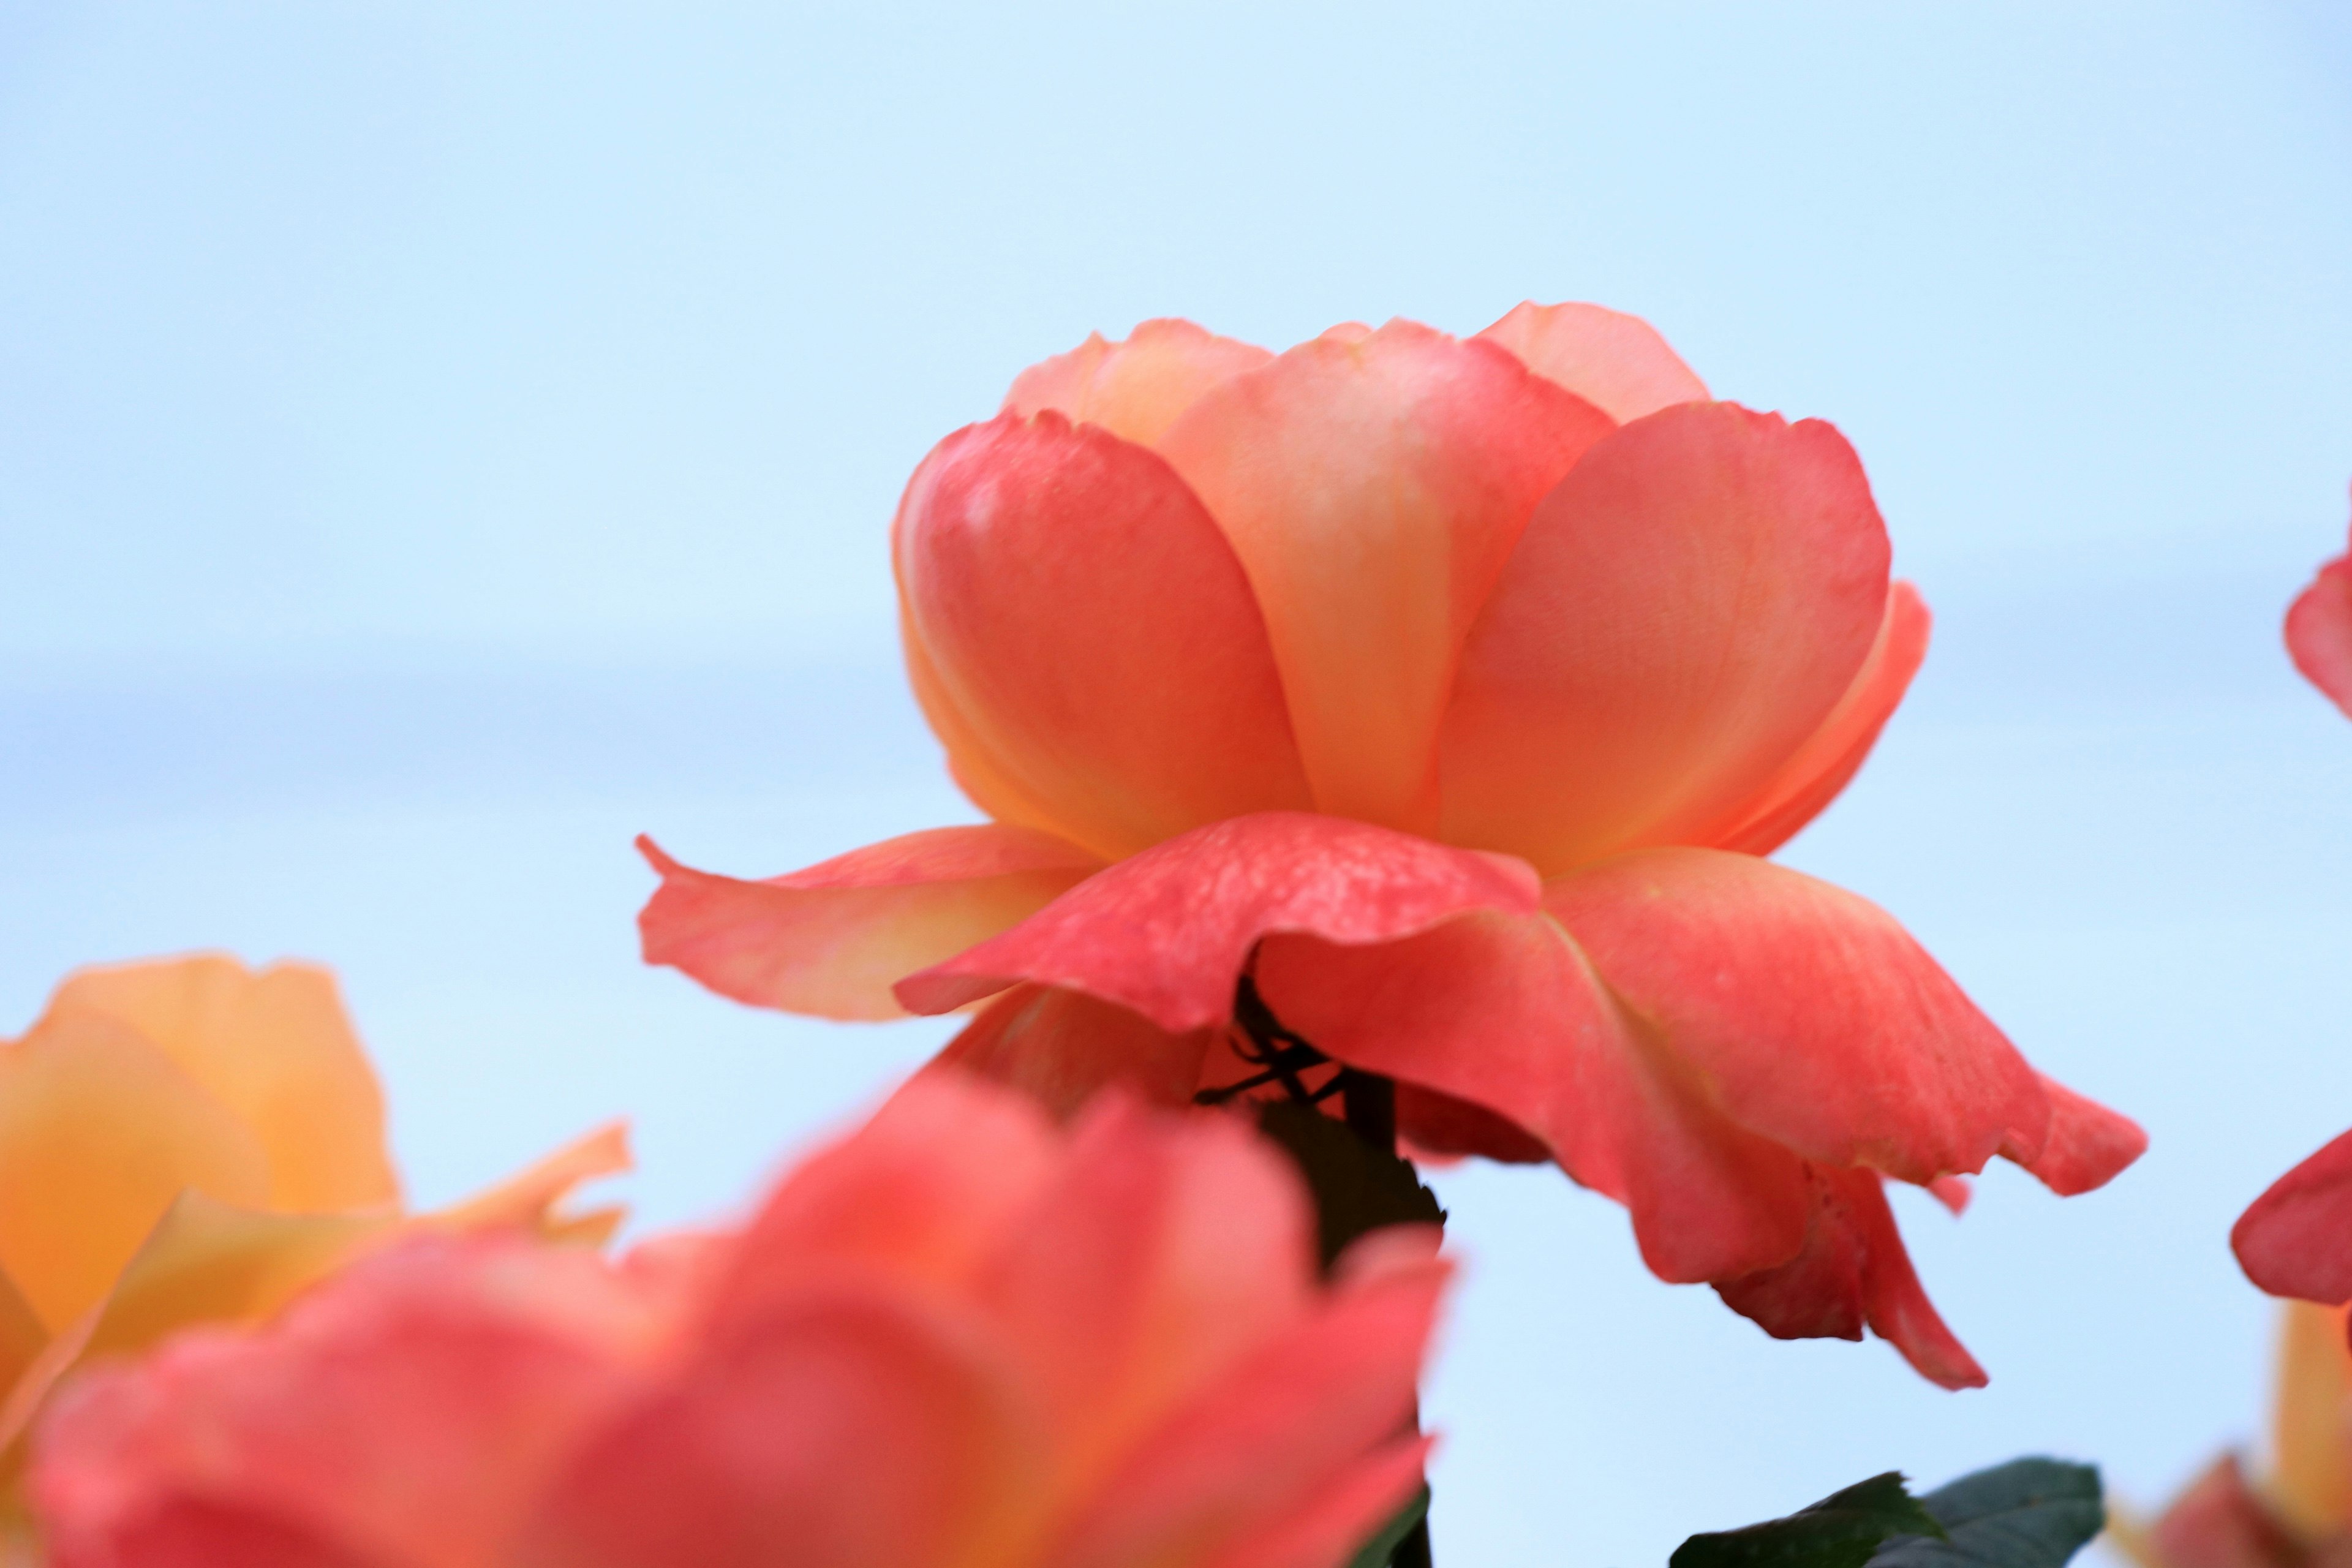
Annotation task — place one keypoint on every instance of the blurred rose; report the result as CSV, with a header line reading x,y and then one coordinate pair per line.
x,y
2298,1513
1459,686
2319,631
958,1337
187,1140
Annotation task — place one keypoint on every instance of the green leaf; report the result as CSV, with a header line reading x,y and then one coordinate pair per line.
x,y
1842,1530
1381,1547
2027,1513
1357,1188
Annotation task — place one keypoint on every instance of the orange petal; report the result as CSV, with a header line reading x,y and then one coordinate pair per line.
x,y
276,1048
1683,611
831,940
22,1335
1373,490
2319,632
1617,362
1063,1047
1134,389
1818,770
528,1200
1085,622
2310,1480
98,1133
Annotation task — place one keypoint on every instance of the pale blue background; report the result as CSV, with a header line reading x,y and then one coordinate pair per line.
x,y
437,442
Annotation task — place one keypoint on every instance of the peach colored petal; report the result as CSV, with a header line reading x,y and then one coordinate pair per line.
x,y
1854,1270
1503,1012
1136,388
2319,632
1821,767
1373,490
832,939
1167,931
843,1429
528,1200
1809,1016
1617,362
22,1335
2310,1479
1086,620
276,1048
1683,611
984,778
99,1131
1062,1048
1159,1255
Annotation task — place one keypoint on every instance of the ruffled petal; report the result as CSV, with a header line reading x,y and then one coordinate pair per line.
x,y
851,1429
1373,489
1083,618
1615,362
276,1048
1165,933
1503,1012
2319,632
831,940
1685,608
1854,1270
1808,1014
1819,769
1063,1047
2296,1238
1134,389
99,1124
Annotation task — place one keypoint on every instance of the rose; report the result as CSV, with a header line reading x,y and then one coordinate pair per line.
x,y
958,1337
1451,690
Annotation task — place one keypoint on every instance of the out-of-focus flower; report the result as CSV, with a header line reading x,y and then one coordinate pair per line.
x,y
959,1338
188,1141
1454,689
2319,631
2297,1512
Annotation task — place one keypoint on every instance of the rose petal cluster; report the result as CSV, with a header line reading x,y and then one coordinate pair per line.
x,y
1454,689
188,1139
961,1337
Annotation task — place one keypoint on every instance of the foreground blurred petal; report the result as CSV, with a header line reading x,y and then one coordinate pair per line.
x,y
1373,490
276,1048
1085,617
1803,786
1503,1012
1062,1048
1165,933
1854,1270
1812,1016
2296,1238
1615,362
831,940
1136,388
2319,632
1683,611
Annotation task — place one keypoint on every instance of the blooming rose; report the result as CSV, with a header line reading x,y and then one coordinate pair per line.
x,y
188,1139
1454,689
960,1337
2298,1514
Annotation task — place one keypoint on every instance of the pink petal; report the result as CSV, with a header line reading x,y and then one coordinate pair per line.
x,y
832,939
1811,1015
1162,1251
1134,389
2296,1238
1373,489
918,1193
1331,1523
1165,933
1062,1048
2319,632
854,1430
1617,362
1083,619
183,1532
1682,613
1819,769
1854,1270
1953,1192
2221,1522
1298,1418
2088,1146
1503,1012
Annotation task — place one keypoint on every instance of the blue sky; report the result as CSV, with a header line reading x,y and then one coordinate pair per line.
x,y
439,443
